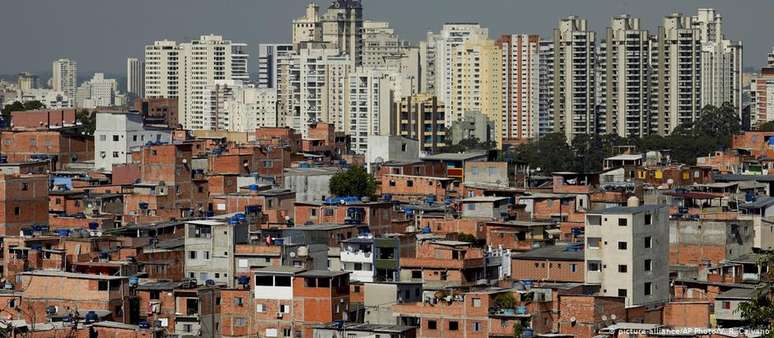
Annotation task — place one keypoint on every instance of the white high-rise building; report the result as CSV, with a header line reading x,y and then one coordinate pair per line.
x,y
624,86
272,57
546,88
202,63
370,95
340,27
445,45
380,44
626,253
64,77
521,85
676,68
574,86
162,69
97,92
721,62
250,108
135,72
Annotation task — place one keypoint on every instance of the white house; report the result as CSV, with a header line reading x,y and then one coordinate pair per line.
x,y
117,134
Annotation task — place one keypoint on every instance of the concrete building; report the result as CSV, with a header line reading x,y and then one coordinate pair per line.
x,y
472,125
310,184
380,297
65,77
26,81
271,58
521,60
135,77
574,79
762,97
97,92
118,134
721,62
624,88
249,108
626,252
209,249
676,84
49,97
422,117
162,69
446,44
491,207
380,44
386,148
546,87
340,27
202,63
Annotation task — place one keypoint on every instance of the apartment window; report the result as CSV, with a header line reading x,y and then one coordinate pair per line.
x,y
416,274
103,137
155,294
648,265
454,325
282,281
238,301
647,288
328,211
410,183
260,308
392,183
593,266
648,242
102,285
187,327
240,322
286,332
16,211
476,302
594,220
134,138
573,268
622,222
432,325
476,326
115,154
192,254
622,246
115,138
357,288
25,186
621,292
268,164
726,305
593,242
648,219
264,280
206,254
622,268
313,212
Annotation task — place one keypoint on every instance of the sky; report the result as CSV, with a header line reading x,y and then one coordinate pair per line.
x,y
101,34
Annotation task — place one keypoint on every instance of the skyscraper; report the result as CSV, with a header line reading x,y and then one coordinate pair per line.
x,y
340,27
65,77
135,73
625,79
272,57
162,73
721,62
380,44
521,86
369,103
202,63
676,84
574,99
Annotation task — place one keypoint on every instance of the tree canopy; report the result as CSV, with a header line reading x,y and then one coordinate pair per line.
x,y
353,182
87,120
469,144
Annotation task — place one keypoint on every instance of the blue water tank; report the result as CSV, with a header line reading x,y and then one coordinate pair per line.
x,y
244,280
387,197
93,225
143,324
63,232
241,217
426,230
134,280
528,332
91,317
253,187
209,282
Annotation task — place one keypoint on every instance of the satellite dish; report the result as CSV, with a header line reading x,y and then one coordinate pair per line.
x,y
612,317
604,317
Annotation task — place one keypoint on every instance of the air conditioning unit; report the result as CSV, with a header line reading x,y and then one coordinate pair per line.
x,y
279,315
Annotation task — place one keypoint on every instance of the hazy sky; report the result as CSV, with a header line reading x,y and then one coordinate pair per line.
x,y
100,34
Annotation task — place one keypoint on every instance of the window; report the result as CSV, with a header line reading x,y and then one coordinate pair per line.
x,y
593,242
573,268
239,322
410,183
192,254
102,285
726,305
284,308
392,183
313,212
648,265
115,154
115,138
103,137
476,326
134,138
593,266
238,301
25,186
432,325
648,242
416,274
622,245
16,211
622,222
282,281
260,308
621,292
476,302
454,325
286,332
648,219
264,280
187,327
647,288
357,288
206,255
622,268
268,164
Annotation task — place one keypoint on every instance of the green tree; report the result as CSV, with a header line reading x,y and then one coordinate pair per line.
x,y
759,311
505,300
518,330
591,150
353,182
469,144
768,126
87,120
720,121
550,153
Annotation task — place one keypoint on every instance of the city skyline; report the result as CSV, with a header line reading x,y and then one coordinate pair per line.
x,y
256,22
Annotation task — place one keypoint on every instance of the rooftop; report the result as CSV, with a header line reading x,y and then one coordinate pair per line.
x,y
323,273
737,293
280,269
456,156
377,328
628,210
484,199
318,171
57,273
553,252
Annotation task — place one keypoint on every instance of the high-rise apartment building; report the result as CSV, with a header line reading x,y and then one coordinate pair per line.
x,y
64,77
721,62
546,87
624,87
762,97
521,86
445,45
162,69
135,72
97,92
236,106
626,253
271,58
340,27
380,44
574,86
369,103
26,82
421,117
476,69
676,81
202,63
